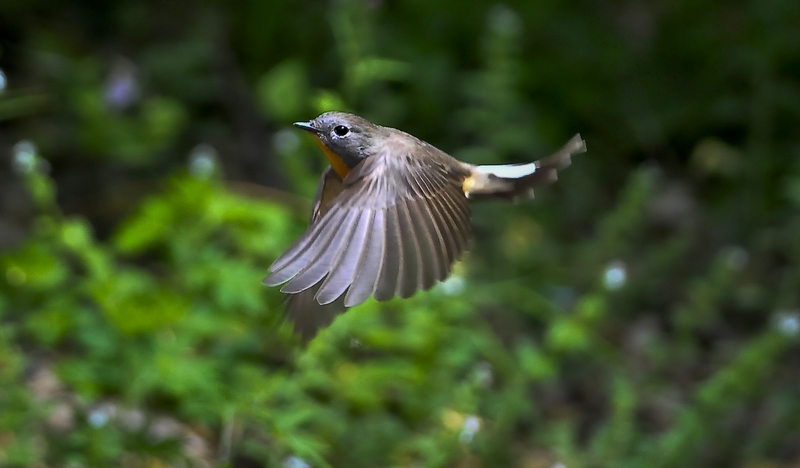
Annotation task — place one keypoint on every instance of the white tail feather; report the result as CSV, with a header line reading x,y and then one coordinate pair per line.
x,y
508,171
518,180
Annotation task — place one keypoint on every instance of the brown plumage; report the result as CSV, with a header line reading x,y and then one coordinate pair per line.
x,y
391,217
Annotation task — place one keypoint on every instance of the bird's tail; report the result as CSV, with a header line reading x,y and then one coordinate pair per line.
x,y
516,181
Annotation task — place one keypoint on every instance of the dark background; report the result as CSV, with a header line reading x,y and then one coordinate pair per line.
x,y
642,312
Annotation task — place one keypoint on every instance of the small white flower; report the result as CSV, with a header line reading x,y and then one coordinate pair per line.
x,y
453,286
788,322
285,141
24,161
295,462
100,416
615,275
202,161
471,426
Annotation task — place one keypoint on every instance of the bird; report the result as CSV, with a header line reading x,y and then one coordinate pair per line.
x,y
391,216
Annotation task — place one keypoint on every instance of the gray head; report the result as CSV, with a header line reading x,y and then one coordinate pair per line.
x,y
348,136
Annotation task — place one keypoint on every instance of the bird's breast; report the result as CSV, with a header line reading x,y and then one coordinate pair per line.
x,y
337,163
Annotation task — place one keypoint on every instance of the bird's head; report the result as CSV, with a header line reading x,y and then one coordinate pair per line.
x,y
347,137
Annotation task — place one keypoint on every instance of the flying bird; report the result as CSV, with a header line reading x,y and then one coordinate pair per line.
x,y
391,216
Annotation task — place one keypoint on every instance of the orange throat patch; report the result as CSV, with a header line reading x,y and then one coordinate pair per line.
x,y
336,162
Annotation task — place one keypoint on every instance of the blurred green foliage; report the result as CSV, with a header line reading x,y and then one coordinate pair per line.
x,y
643,312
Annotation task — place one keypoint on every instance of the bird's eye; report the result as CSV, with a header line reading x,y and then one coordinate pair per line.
x,y
341,130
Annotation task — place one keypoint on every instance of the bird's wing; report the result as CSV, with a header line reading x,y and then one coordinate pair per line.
x,y
330,186
306,313
398,225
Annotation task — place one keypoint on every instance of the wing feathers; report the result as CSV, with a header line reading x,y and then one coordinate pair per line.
x,y
447,229
395,227
459,226
411,271
392,259
321,253
426,224
292,261
345,264
369,263
429,250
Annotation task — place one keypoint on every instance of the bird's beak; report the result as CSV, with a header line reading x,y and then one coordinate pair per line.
x,y
307,126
